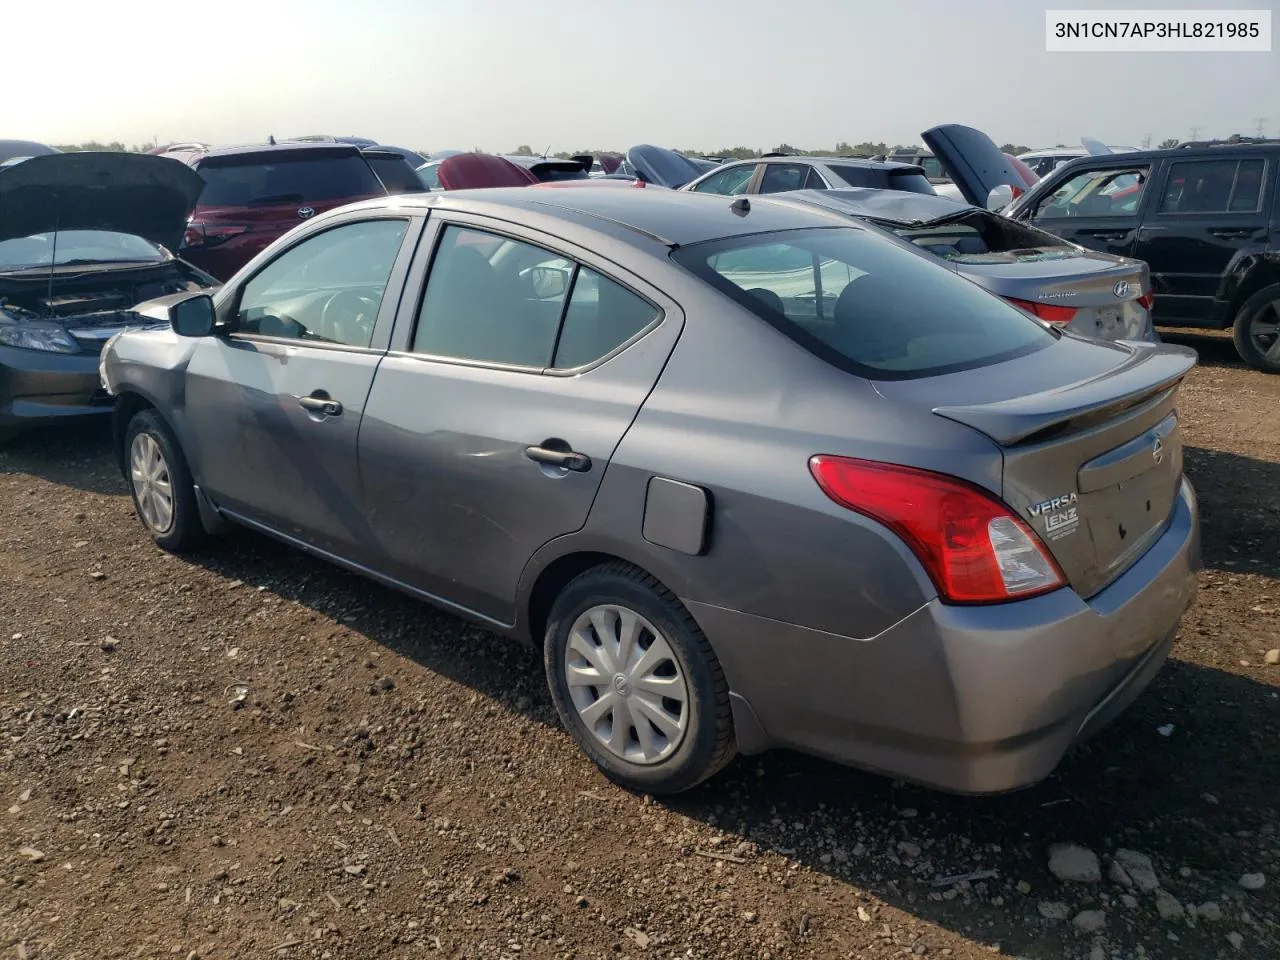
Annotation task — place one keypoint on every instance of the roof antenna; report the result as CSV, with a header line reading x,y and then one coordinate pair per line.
x,y
271,139
741,206
546,151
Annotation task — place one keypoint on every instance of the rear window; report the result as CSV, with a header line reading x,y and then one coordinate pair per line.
x,y
880,179
984,237
246,181
551,173
395,173
865,304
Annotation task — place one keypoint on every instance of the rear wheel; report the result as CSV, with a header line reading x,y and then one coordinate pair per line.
x,y
636,683
163,494
1257,330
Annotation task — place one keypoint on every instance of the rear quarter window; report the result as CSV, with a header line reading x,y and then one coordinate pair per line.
x,y
248,181
864,304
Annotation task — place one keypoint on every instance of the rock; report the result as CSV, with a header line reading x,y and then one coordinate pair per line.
x,y
580,902
385,684
909,850
1137,868
1272,657
1167,906
1253,881
1165,730
1209,911
355,869
32,854
864,915
109,644
97,575
1099,952
1054,910
1073,863
750,916
1129,900
1023,887
1235,940
1089,921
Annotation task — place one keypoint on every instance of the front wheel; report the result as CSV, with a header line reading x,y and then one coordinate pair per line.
x,y
636,683
1256,330
163,494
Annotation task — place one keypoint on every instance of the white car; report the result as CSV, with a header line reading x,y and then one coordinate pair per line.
x,y
1044,162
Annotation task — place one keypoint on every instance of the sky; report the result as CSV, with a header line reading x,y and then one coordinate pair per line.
x,y
689,74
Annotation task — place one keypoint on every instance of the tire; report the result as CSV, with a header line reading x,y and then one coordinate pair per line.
x,y
148,436
1261,309
657,762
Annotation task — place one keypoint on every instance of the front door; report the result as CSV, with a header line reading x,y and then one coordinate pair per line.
x,y
488,434
1208,211
277,403
1099,208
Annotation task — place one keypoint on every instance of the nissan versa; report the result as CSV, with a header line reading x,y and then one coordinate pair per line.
x,y
750,473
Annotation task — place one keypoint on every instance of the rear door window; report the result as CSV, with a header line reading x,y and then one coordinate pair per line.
x,y
865,305
1214,186
779,177
246,181
1102,192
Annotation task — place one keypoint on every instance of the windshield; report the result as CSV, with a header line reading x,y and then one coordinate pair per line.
x,y
248,181
77,246
865,304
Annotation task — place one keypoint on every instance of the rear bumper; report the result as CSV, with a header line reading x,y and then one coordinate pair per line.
x,y
965,699
38,387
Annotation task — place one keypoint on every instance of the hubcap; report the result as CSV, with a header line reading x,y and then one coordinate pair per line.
x,y
152,488
626,684
1264,331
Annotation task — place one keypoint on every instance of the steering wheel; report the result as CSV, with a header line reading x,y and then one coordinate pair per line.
x,y
348,317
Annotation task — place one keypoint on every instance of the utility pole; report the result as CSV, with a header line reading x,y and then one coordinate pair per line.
x,y
1195,133
1261,124
1146,141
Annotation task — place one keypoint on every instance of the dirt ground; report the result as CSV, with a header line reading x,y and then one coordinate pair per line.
x,y
248,753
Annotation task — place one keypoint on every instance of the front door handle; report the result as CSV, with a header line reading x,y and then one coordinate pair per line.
x,y
1229,233
564,459
322,405
1106,234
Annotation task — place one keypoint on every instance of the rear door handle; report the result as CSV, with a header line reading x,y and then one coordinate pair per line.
x,y
1232,232
314,404
564,459
1106,234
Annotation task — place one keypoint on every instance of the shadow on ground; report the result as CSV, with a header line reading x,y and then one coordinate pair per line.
x,y
1214,347
78,456
1239,523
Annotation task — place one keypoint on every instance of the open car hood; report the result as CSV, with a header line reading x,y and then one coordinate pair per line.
x,y
469,171
973,161
135,193
887,206
661,166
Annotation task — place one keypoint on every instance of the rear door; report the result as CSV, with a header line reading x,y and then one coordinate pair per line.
x,y
1208,210
1098,204
274,408
514,372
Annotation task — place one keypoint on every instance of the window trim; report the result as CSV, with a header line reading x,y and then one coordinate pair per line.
x,y
441,220
752,180
227,311
1259,208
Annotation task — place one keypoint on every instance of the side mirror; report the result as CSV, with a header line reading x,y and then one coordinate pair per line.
x,y
548,282
193,317
1000,197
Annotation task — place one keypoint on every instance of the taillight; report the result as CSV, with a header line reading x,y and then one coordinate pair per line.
x,y
973,546
211,234
1048,312
1147,300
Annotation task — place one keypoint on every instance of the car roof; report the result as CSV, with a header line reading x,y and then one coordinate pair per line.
x,y
843,161
669,217
1130,157
284,146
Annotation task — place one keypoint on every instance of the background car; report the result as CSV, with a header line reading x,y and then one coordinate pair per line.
x,y
1090,293
546,169
777,174
1044,162
254,194
1203,217
525,373
75,259
24,148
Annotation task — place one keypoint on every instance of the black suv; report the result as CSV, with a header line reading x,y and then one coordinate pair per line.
x,y
1205,218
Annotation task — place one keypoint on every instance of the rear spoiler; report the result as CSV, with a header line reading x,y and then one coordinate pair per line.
x,y
585,160
1152,370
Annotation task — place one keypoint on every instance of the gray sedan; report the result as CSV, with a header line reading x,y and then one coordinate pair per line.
x,y
749,473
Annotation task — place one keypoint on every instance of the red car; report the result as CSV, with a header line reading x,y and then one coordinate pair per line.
x,y
254,194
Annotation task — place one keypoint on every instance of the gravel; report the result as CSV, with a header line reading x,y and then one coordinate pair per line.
x,y
1074,864
203,787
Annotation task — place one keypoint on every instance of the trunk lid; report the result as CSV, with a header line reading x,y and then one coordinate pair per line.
x,y
1090,439
470,171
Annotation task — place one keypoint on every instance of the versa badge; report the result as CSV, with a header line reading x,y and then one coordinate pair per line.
x,y
1060,515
